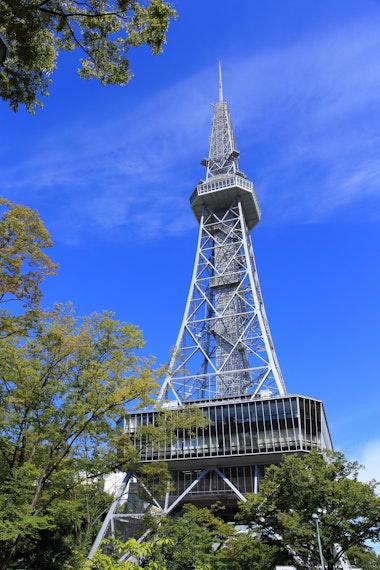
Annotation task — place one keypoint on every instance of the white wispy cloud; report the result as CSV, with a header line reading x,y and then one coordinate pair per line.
x,y
116,173
316,107
369,457
304,115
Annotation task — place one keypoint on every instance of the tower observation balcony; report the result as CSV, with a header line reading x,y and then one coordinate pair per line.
x,y
240,431
220,192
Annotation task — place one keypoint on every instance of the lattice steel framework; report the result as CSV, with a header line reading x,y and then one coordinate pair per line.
x,y
224,347
223,154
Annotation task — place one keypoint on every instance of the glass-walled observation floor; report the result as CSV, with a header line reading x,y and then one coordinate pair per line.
x,y
237,429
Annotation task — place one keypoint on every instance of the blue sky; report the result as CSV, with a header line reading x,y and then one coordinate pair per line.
x,y
110,170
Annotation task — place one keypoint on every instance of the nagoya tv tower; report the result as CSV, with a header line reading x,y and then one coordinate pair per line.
x,y
224,343
224,362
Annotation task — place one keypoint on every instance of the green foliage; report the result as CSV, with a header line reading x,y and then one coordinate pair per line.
x,y
246,550
104,31
203,541
66,540
62,390
111,561
327,484
189,540
23,265
366,559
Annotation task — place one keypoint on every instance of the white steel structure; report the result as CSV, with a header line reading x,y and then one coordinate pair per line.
x,y
224,347
224,362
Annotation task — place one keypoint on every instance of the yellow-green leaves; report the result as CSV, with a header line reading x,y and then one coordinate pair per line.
x,y
23,263
23,266
62,390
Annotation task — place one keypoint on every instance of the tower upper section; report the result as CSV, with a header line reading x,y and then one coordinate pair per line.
x,y
224,182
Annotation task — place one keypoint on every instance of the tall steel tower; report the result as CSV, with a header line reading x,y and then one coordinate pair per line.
x,y
224,363
224,348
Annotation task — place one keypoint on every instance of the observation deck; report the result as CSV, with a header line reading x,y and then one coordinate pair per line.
x,y
240,431
220,192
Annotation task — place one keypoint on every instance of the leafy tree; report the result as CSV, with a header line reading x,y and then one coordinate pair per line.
x,y
62,390
67,539
290,493
23,265
368,560
104,30
138,552
246,550
188,541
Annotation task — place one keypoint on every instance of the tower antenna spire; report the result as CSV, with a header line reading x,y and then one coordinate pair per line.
x,y
220,82
223,154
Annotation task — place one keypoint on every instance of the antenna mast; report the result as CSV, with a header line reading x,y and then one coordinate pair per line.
x,y
220,83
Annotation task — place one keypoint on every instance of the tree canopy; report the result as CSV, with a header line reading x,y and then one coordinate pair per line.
x,y
62,390
199,538
24,265
103,30
190,541
324,485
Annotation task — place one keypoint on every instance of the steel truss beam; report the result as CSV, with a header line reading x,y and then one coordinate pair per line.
x,y
119,517
224,347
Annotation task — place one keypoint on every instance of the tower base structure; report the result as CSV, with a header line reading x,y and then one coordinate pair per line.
x,y
221,462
